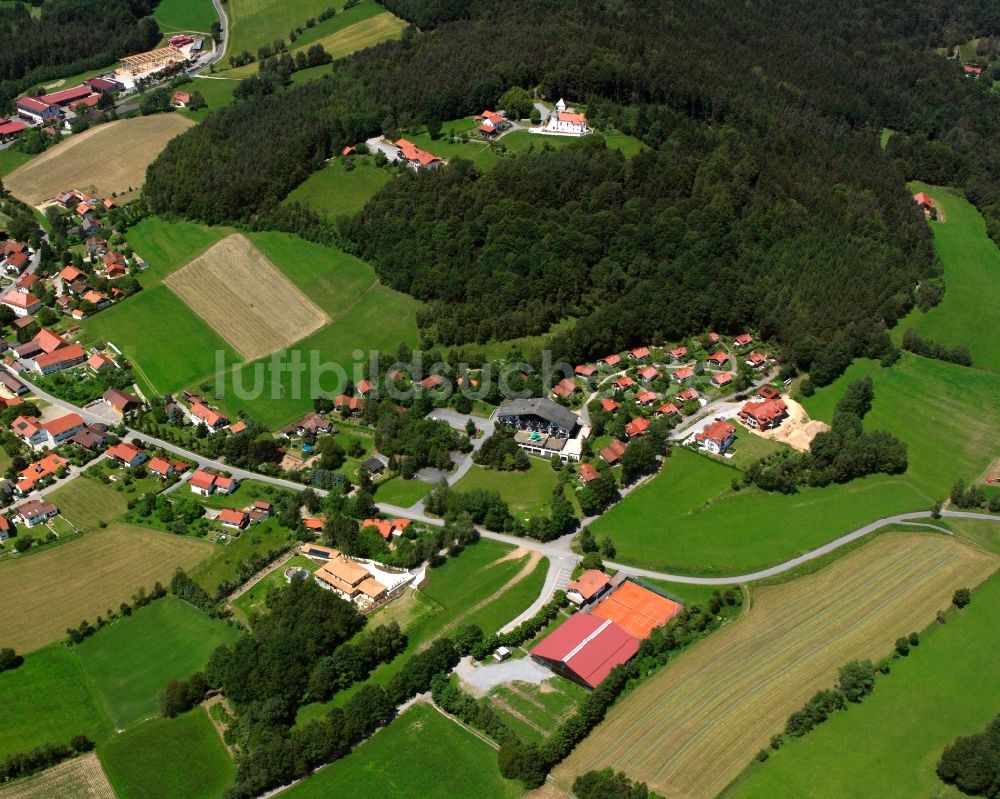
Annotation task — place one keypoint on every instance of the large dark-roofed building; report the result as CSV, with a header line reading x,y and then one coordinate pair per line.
x,y
586,648
538,414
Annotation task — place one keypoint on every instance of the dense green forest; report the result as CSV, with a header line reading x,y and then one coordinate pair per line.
x,y
69,36
767,201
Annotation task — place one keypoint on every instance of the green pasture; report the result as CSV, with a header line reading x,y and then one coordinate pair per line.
x,y
86,502
334,190
224,562
402,493
131,661
166,245
185,15
528,493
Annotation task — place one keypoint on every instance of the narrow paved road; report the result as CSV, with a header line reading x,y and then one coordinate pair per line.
x,y
558,552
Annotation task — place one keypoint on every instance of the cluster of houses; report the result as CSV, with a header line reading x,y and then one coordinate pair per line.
x,y
240,518
28,514
760,415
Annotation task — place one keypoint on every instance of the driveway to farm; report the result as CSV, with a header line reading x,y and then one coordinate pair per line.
x,y
562,559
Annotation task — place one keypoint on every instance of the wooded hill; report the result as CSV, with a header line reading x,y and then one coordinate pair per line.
x,y
766,203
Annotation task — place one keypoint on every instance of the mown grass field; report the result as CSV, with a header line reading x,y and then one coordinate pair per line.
x,y
535,711
131,661
11,159
528,493
971,267
79,778
723,699
688,518
185,15
48,700
889,746
42,594
110,158
166,245
86,503
253,23
402,492
420,755
175,758
334,190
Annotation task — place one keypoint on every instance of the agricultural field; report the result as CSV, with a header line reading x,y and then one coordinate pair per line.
x,y
359,35
889,746
723,699
528,493
175,758
334,190
971,264
167,245
253,23
45,593
245,299
11,159
79,778
420,755
185,15
140,326
131,661
85,503
105,160
48,700
535,711
689,520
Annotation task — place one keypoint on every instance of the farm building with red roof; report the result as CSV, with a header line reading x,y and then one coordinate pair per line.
x,y
586,648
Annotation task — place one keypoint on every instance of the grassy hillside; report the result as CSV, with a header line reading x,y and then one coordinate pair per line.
x,y
175,758
48,700
130,662
972,275
889,745
334,191
185,15
420,755
689,519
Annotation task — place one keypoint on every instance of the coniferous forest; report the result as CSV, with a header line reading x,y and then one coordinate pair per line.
x,y
764,199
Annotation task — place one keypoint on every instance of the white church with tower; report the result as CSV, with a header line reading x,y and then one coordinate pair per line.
x,y
564,121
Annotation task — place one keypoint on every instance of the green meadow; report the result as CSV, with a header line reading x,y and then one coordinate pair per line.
x,y
168,245
131,661
420,755
688,519
48,699
890,744
185,15
177,758
334,190
402,493
224,562
86,503
528,493
972,282
520,141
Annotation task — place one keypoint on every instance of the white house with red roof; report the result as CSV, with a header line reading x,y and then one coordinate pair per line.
x,y
416,158
202,414
20,303
565,121
491,123
716,438
763,415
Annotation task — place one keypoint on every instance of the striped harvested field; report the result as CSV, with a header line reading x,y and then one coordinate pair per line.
x,y
245,298
107,158
44,593
690,729
80,778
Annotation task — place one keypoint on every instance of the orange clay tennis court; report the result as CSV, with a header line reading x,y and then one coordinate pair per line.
x,y
636,609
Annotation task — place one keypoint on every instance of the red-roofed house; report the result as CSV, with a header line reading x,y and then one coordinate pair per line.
x,y
63,427
161,467
647,397
180,99
491,123
128,455
226,485
38,111
586,648
364,387
639,353
667,409
585,370
213,420
37,472
588,473
70,355
417,158
348,405
610,405
16,262
565,388
972,71
716,438
10,129
648,373
29,430
624,383
565,121
589,585
720,358
21,304
743,340
924,201
70,273
611,360
230,517
722,379
637,427
202,482
613,452
684,374
763,415
679,353
687,395
768,392
713,338
756,361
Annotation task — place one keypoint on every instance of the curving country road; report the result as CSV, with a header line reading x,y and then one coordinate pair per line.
x,y
562,559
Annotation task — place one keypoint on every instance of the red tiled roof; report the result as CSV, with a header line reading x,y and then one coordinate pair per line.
x,y
613,451
202,479
637,427
679,352
756,358
764,412
588,646
719,357
624,382
159,466
648,373
717,431
411,152
611,360
647,397
32,104
71,352
565,388
19,300
67,95
610,405
688,394
722,378
640,352
684,374
667,409
10,128
585,370
206,414
588,473
232,516
743,339
59,426
591,582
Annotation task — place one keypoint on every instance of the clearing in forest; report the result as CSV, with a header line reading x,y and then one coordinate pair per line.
x,y
109,158
245,298
721,701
